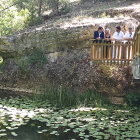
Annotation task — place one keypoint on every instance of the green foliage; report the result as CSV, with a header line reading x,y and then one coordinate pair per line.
x,y
107,70
37,57
23,72
133,99
2,66
66,6
58,22
1,60
12,20
64,96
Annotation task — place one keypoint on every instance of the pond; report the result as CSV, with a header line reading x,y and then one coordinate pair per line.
x,y
22,118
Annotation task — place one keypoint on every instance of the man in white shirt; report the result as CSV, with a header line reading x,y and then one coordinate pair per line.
x,y
129,35
117,37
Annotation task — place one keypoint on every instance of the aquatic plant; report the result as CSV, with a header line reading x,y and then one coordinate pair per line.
x,y
49,122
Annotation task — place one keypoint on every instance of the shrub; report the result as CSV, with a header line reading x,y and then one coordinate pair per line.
x,y
23,71
133,99
37,57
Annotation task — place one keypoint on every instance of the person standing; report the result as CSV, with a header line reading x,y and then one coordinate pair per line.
x,y
107,36
98,36
128,38
118,37
129,35
107,39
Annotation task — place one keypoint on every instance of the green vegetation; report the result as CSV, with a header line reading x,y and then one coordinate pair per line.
x,y
37,57
63,96
42,117
16,15
133,99
1,60
25,63
23,71
11,19
58,22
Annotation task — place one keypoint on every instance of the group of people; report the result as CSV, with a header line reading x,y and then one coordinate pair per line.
x,y
118,36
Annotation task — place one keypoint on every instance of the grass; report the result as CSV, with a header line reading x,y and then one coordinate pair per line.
x,y
62,95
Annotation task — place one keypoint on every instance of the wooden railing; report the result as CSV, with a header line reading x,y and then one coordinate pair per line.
x,y
136,40
118,53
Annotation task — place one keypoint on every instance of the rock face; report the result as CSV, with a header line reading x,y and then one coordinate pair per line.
x,y
48,38
71,68
136,15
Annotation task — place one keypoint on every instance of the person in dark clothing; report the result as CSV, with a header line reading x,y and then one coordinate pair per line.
x,y
99,34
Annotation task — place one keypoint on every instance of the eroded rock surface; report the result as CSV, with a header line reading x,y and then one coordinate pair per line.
x,y
71,68
49,38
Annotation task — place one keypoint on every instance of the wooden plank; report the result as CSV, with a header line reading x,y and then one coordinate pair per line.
x,y
116,59
111,53
138,44
118,55
135,47
122,52
91,57
104,52
108,48
129,50
132,51
95,51
125,56
97,47
115,52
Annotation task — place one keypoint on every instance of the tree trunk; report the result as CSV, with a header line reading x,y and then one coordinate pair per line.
x,y
21,6
40,7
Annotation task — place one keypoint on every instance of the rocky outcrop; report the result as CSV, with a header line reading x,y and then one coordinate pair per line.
x,y
71,68
49,38
136,14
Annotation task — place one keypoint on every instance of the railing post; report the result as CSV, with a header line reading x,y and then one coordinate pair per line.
x,y
91,55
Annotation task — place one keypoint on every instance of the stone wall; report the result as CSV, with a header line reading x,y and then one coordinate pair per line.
x,y
54,39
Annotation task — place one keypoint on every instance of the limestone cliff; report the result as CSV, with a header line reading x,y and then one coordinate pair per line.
x,y
48,38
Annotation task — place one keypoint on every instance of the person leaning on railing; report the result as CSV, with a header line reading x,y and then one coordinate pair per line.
x,y
98,35
107,39
128,37
118,37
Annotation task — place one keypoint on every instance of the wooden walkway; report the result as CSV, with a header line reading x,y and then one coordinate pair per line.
x,y
118,53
